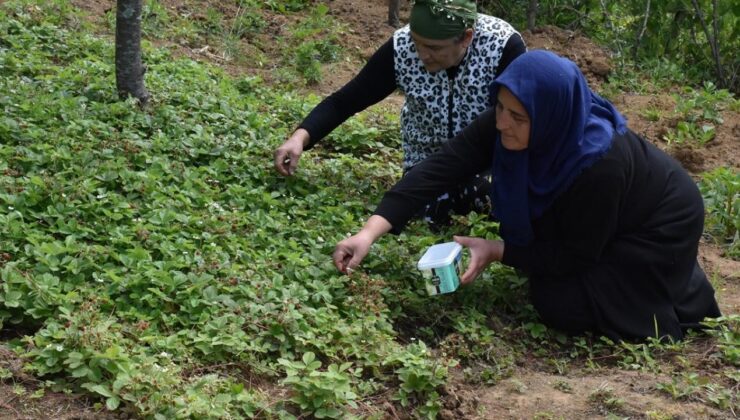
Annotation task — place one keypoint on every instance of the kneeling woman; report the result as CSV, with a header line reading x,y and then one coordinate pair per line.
x,y
606,225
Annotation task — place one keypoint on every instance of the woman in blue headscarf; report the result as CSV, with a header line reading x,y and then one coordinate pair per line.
x,y
606,225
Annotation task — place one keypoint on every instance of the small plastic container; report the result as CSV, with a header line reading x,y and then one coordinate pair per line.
x,y
440,267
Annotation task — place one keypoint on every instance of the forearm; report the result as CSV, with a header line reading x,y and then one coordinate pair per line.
x,y
301,135
375,227
372,84
459,159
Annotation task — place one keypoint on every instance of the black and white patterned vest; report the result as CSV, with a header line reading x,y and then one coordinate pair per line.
x,y
425,114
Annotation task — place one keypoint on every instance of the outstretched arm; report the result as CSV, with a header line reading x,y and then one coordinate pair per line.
x,y
467,154
373,83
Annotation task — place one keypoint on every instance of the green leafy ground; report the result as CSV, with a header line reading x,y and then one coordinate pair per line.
x,y
153,260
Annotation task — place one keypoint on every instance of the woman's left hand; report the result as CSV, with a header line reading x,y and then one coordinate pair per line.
x,y
482,253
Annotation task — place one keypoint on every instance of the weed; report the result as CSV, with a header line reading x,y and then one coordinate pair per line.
x,y
721,191
604,399
690,133
652,114
287,6
315,43
154,19
726,332
658,415
517,386
247,22
681,387
699,112
563,386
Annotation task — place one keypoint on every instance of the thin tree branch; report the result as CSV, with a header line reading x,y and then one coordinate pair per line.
x,y
638,41
711,39
610,26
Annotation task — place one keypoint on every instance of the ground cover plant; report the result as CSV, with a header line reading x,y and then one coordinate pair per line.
x,y
151,259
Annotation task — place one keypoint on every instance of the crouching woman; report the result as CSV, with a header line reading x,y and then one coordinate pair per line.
x,y
605,225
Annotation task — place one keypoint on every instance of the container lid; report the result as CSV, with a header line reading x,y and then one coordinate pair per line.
x,y
439,255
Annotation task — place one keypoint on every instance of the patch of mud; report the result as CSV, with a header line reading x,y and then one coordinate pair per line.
x,y
530,395
594,61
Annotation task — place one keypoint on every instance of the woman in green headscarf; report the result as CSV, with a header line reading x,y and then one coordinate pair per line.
x,y
442,31
443,62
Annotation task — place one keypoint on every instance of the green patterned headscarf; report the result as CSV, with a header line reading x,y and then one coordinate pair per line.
x,y
442,19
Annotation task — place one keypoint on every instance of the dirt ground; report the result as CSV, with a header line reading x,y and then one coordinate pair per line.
x,y
532,392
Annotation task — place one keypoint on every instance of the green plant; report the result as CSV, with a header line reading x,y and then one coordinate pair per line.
x,y
692,386
703,104
681,387
726,332
605,399
563,386
284,6
321,393
658,415
213,21
721,397
154,19
248,21
690,133
721,191
639,356
652,114
419,377
312,42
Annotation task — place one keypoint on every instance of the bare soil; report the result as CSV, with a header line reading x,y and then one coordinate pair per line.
x,y
532,391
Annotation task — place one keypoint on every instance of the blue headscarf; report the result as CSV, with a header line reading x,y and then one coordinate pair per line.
x,y
571,127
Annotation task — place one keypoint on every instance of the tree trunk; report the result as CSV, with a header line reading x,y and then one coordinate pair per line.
x,y
531,14
129,68
712,40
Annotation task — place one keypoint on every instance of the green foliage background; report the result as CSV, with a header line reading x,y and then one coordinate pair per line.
x,y
665,32
154,260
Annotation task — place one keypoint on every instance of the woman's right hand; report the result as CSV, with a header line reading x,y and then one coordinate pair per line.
x,y
286,156
350,252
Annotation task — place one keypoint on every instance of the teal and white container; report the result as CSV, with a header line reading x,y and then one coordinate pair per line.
x,y
440,267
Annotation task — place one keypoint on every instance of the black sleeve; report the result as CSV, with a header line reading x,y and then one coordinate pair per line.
x,y
373,83
463,156
585,217
514,48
